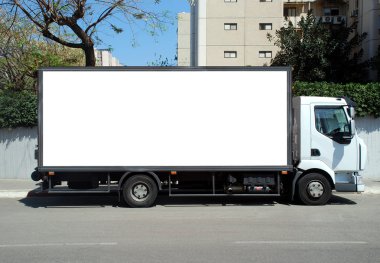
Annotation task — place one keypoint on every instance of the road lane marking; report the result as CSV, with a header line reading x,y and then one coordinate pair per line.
x,y
277,242
59,244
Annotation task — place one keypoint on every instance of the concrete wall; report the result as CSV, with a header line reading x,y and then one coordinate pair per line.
x,y
369,130
17,152
17,149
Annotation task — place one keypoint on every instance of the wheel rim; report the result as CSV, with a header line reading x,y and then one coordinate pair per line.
x,y
315,189
139,192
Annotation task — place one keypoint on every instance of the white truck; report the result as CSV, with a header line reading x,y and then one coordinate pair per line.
x,y
212,131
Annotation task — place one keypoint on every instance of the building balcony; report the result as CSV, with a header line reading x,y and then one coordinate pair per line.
x,y
335,20
298,1
332,20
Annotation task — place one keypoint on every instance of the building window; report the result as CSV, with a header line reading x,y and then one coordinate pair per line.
x,y
265,54
230,1
230,54
290,12
265,26
331,11
230,26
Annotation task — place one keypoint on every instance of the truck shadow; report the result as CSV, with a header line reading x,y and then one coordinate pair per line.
x,y
240,201
70,201
340,200
112,200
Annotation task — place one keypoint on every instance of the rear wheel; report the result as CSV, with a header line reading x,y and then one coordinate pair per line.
x,y
140,191
314,189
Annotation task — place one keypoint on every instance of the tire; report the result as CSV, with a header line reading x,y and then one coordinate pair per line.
x,y
140,191
314,189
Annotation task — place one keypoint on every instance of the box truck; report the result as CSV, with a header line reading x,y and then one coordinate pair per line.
x,y
211,131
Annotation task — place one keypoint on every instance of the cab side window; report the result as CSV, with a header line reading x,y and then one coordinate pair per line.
x,y
330,121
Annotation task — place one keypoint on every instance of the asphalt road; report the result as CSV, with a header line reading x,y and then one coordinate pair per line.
x,y
95,229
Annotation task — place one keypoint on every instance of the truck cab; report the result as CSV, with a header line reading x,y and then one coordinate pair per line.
x,y
326,148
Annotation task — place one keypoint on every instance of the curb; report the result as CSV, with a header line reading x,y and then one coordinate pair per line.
x,y
14,193
372,190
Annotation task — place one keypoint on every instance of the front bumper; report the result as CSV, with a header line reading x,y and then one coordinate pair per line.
x,y
349,182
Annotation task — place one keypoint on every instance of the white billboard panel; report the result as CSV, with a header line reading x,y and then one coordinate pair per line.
x,y
164,118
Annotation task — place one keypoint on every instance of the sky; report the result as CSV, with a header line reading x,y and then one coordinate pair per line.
x,y
147,48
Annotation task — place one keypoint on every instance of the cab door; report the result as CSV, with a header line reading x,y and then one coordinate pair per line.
x,y
331,140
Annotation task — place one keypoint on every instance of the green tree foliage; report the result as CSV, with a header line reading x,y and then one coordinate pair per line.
x,y
345,56
22,52
319,52
18,108
366,96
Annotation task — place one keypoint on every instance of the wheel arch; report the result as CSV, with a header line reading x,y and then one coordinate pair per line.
x,y
127,175
318,171
301,173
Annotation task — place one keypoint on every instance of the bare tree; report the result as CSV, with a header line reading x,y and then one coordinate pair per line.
x,y
74,23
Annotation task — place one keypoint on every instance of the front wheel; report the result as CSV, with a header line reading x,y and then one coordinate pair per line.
x,y
314,189
140,191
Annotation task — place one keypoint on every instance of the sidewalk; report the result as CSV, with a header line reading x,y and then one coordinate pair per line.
x,y
372,186
16,188
20,188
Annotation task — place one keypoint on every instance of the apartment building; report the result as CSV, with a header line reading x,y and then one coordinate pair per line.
x,y
367,14
105,58
234,32
183,39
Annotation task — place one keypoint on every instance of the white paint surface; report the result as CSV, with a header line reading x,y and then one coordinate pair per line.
x,y
81,244
290,242
165,118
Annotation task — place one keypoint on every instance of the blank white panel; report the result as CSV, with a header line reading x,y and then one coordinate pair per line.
x,y
165,118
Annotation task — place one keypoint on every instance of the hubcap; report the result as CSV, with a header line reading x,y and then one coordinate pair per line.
x,y
315,189
139,192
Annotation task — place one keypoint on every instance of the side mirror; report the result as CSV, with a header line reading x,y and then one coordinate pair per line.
x,y
353,127
352,112
346,136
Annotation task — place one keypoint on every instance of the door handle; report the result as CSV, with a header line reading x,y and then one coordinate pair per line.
x,y
315,152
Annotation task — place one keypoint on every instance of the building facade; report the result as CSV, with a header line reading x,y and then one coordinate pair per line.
x,y
105,58
235,32
367,14
183,39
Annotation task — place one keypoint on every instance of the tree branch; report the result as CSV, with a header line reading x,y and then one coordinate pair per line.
x,y
103,15
48,34
79,12
17,3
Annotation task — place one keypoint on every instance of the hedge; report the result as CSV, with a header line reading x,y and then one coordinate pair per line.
x,y
366,96
18,109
